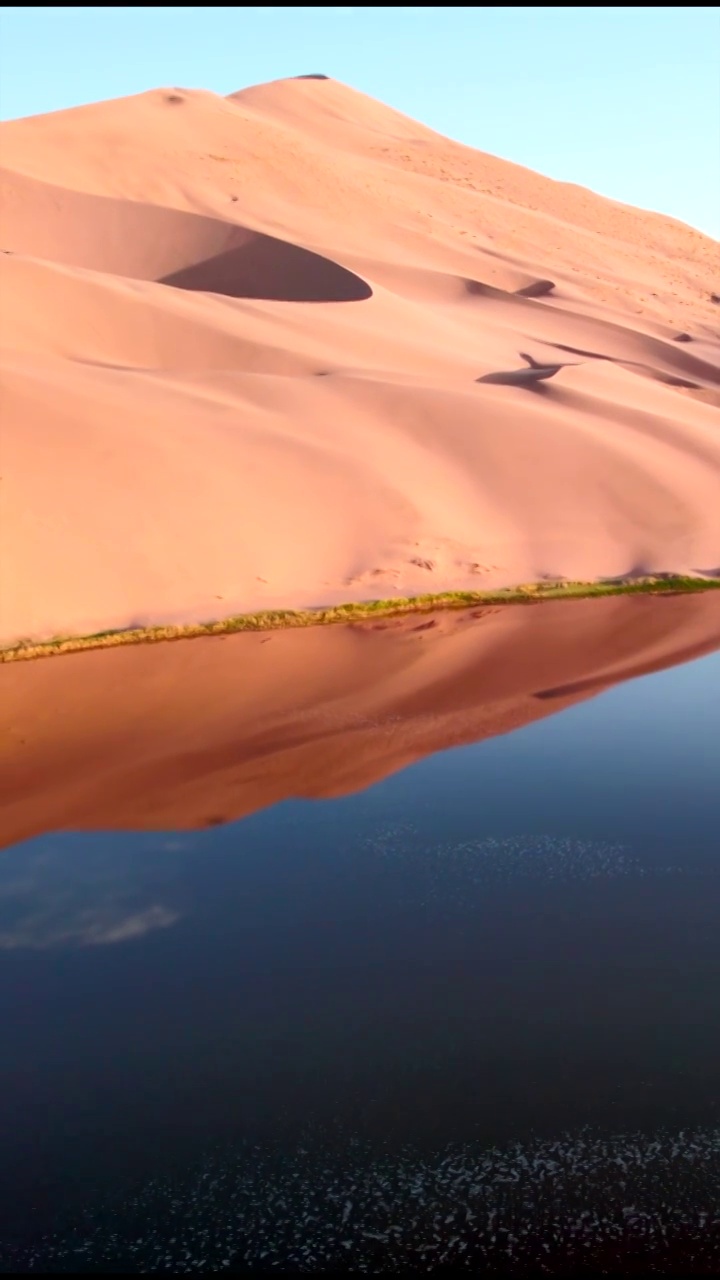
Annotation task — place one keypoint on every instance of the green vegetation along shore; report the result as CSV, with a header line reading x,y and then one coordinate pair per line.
x,y
281,619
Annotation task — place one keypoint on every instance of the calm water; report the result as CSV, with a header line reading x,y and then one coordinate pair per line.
x,y
468,1018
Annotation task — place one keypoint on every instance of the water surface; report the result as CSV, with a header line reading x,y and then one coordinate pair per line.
x,y
464,1017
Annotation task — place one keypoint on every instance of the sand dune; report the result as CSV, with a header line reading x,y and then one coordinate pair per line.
x,y
184,250
197,732
263,351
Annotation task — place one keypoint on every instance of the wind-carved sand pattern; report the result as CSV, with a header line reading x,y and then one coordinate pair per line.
x,y
339,719
579,1203
453,876
416,565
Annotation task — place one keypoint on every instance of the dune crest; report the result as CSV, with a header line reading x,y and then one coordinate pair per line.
x,y
265,351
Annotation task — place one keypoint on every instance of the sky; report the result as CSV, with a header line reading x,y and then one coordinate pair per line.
x,y
624,100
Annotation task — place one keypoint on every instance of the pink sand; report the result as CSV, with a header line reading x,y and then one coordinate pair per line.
x,y
241,339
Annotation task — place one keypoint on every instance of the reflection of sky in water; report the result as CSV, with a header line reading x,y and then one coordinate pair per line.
x,y
91,890
337,1195
454,876
467,1019
82,891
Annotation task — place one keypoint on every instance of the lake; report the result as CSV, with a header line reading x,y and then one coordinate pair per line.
x,y
381,948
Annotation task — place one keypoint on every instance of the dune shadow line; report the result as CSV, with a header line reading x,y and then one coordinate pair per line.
x,y
276,270
169,246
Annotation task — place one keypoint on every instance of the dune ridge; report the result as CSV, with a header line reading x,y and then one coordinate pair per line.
x,y
263,352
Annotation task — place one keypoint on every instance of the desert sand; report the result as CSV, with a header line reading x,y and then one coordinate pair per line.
x,y
255,354
198,732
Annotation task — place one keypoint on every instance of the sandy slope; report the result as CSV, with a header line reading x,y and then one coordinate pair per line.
x,y
241,341
205,731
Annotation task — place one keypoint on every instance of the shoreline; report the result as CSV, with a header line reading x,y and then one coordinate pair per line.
x,y
285,619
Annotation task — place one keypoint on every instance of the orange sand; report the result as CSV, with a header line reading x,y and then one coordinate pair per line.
x,y
241,339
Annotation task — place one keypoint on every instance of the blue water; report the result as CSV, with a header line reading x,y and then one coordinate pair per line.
x,y
477,1003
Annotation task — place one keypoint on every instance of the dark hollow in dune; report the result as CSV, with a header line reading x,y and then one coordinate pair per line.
x,y
276,270
173,247
537,289
520,377
683,337
536,372
478,290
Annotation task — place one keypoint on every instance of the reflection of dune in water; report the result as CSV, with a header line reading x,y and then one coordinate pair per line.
x,y
589,1202
165,736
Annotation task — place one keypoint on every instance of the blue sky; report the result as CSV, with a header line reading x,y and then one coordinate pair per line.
x,y
625,101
